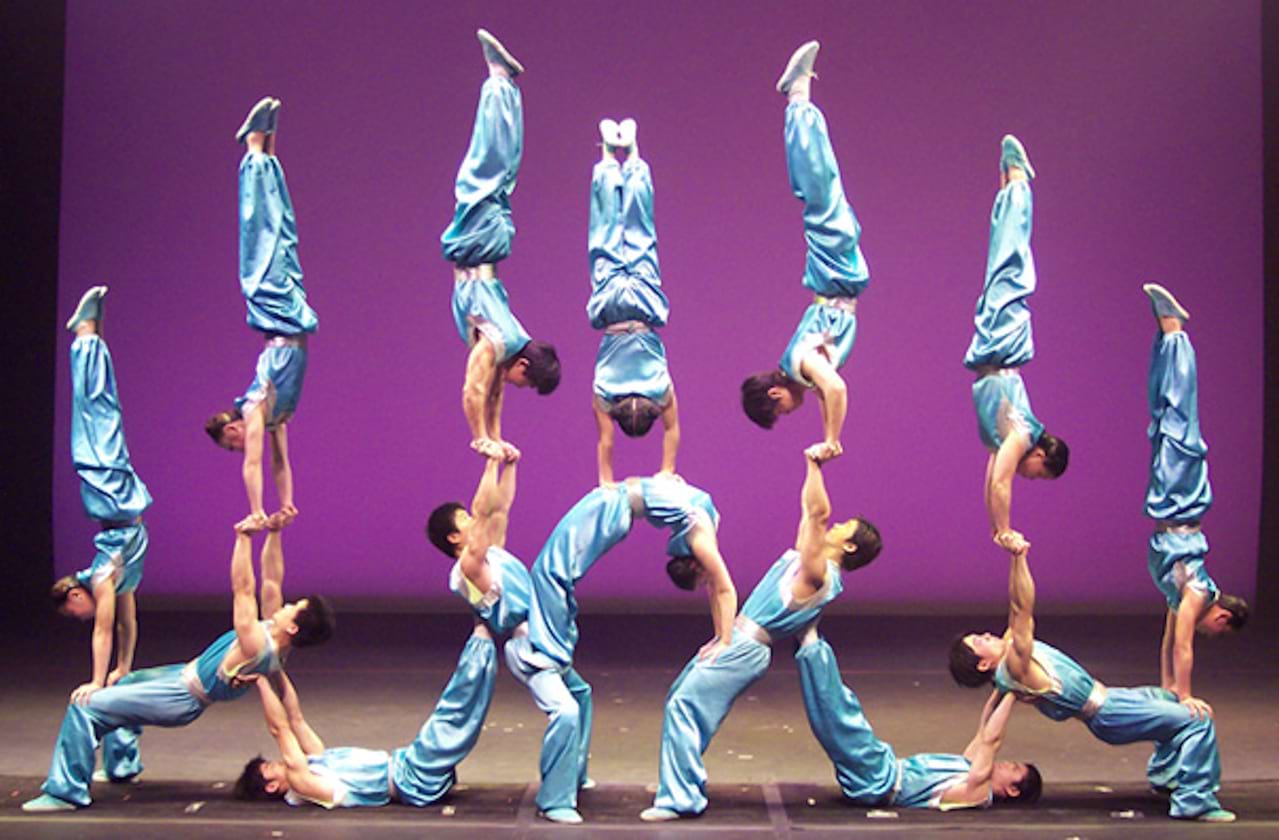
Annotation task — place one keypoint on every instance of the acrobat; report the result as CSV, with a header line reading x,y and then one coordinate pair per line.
x,y
113,495
1002,343
271,282
632,379
834,271
598,522
1185,760
786,602
476,240
1177,498
175,695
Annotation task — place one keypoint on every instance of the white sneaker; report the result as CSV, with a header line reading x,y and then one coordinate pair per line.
x,y
800,65
495,53
1164,303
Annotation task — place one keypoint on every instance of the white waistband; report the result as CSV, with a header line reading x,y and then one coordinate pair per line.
x,y
390,778
897,785
287,341
1170,527
750,628
983,371
1093,704
627,327
192,681
848,304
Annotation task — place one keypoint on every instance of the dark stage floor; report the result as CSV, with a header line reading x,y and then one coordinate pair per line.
x,y
373,685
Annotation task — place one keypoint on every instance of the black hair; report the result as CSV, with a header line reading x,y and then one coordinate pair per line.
x,y
634,414
758,405
869,544
1056,454
1238,609
1030,788
543,365
251,786
215,424
964,664
441,524
315,622
684,571
62,588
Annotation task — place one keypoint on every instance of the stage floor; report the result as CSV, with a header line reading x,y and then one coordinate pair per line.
x,y
373,685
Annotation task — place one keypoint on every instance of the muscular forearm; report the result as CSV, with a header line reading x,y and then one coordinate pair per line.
x,y
1021,589
723,598
815,499
1000,501
670,447
473,408
834,408
101,653
282,472
1183,663
252,472
126,639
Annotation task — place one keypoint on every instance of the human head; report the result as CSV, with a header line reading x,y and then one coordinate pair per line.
x,y
1047,459
445,528
857,542
536,365
1015,782
307,621
1227,614
226,428
767,395
974,657
634,414
685,571
262,781
72,599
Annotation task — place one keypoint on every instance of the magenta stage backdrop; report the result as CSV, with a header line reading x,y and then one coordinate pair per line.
x,y
1143,119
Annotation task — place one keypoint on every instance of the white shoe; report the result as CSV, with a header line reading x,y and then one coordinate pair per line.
x,y
100,775
89,308
609,133
800,65
1013,153
626,131
656,814
1165,304
46,804
495,53
259,119
589,784
564,816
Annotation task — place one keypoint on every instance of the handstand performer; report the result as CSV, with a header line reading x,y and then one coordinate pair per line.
x,y
271,282
834,270
1002,343
477,239
1176,499
632,380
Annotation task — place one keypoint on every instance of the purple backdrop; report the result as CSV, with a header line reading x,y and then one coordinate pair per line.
x,y
1142,118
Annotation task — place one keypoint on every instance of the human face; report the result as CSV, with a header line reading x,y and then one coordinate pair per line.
x,y
79,605
286,616
1032,466
1006,779
276,775
233,436
841,534
987,646
517,374
462,521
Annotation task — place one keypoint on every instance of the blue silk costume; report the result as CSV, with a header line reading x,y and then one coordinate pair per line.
x,y
702,694
626,284
170,695
271,282
834,268
1002,336
867,769
1185,756
1179,493
481,231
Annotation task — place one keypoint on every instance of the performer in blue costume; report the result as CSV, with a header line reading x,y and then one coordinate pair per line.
x,y
1002,343
175,695
271,282
1177,498
632,379
599,521
834,271
1185,758
475,241
869,772
786,602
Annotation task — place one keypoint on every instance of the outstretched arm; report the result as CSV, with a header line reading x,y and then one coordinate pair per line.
x,y
811,540
301,780
254,431
719,589
501,517
1165,651
271,595
604,449
493,405
981,752
834,394
670,435
999,494
282,471
103,630
1021,625
244,602
1183,651
481,370
307,738
126,636
490,512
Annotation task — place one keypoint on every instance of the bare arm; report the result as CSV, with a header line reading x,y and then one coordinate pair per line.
x,y
282,471
481,370
486,507
254,430
307,738
493,405
501,518
604,449
298,771
719,583
811,540
1165,651
103,630
1021,624
244,602
1183,650
670,435
975,789
834,394
271,595
126,635
1000,496
985,492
